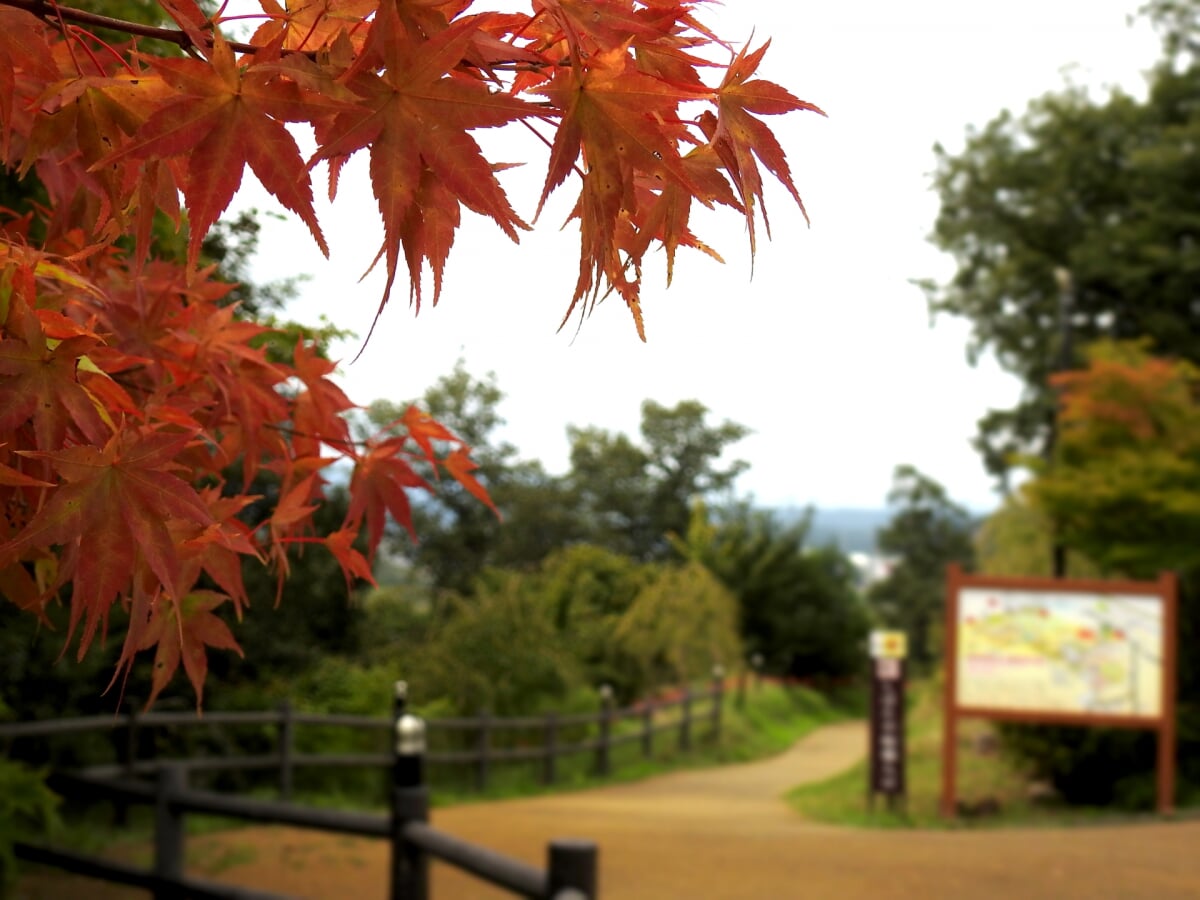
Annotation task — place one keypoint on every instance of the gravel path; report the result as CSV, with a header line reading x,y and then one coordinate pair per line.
x,y
724,833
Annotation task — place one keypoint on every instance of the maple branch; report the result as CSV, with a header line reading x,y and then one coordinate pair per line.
x,y
51,12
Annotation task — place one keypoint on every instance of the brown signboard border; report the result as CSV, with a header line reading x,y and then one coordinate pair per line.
x,y
1166,587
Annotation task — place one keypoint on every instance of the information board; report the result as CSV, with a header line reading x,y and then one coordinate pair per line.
x,y
1060,651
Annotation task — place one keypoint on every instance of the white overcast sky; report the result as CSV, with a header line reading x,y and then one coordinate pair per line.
x,y
827,352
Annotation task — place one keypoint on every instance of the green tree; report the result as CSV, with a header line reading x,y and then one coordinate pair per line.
x,y
1104,191
500,652
633,496
588,590
927,532
1017,539
798,605
681,624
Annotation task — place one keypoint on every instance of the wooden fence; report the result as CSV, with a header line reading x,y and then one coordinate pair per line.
x,y
571,865
485,741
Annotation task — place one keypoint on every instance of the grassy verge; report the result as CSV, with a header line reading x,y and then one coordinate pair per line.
x,y
987,781
772,718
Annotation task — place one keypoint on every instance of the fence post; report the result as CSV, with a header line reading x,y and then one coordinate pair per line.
x,y
168,831
484,750
410,801
756,661
128,759
718,700
685,720
648,729
286,738
572,870
603,760
550,762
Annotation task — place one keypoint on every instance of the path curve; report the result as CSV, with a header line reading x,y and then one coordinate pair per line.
x,y
725,834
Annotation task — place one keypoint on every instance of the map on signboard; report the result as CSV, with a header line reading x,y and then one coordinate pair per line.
x,y
1060,652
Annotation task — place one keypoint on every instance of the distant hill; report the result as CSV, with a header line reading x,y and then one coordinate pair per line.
x,y
853,530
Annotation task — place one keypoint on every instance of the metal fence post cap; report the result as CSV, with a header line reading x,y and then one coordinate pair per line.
x,y
410,735
606,691
401,688
718,671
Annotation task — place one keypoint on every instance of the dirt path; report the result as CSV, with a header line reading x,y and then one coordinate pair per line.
x,y
724,833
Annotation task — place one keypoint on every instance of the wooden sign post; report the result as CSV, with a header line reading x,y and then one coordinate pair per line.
x,y
1060,651
887,744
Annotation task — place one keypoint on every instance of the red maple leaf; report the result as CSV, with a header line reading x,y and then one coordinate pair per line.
x,y
181,630
460,465
39,381
380,485
354,564
739,137
416,118
111,516
625,126
424,429
225,117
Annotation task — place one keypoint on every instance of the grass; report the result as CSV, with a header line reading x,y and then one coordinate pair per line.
x,y
772,718
985,775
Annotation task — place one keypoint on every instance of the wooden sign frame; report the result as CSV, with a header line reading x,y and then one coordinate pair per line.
x,y
1165,588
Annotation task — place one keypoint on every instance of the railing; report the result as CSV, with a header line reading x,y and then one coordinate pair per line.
x,y
570,870
484,739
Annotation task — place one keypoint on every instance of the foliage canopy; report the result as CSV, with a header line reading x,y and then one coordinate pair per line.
x,y
1071,222
129,386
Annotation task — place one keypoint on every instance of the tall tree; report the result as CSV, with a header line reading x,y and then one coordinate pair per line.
x,y
1076,220
1019,539
634,496
126,388
798,604
927,532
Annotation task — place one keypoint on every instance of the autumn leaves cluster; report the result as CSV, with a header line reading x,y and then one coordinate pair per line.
x,y
130,391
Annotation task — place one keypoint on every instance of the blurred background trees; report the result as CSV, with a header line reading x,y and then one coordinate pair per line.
x,y
1075,228
928,532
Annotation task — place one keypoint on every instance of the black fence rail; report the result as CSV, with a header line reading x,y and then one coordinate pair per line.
x,y
571,865
475,744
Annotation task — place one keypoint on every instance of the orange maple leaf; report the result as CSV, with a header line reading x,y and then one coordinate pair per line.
x,y
314,24
416,118
625,126
317,413
380,485
111,515
39,381
460,465
354,564
739,137
224,118
182,630
424,429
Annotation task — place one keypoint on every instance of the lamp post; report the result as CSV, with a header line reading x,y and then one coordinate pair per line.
x,y
410,800
1066,306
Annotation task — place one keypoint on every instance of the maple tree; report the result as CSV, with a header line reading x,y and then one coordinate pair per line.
x,y
128,386
1122,485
